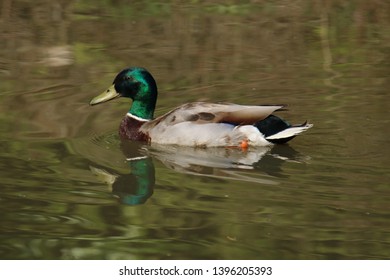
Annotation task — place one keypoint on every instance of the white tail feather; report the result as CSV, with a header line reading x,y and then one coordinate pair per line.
x,y
289,132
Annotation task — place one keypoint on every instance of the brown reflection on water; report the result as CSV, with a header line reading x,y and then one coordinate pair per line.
x,y
292,53
328,60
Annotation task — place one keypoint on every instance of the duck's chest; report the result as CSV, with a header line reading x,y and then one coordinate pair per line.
x,y
129,129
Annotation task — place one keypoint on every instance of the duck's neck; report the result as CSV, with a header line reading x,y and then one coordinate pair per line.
x,y
143,106
142,110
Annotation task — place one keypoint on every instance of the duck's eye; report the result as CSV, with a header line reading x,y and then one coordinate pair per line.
x,y
128,78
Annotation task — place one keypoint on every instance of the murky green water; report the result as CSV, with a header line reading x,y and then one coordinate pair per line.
x,y
69,189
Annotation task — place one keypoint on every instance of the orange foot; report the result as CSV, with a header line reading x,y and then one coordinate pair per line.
x,y
244,144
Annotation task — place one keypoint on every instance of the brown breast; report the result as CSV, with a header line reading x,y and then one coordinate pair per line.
x,y
129,130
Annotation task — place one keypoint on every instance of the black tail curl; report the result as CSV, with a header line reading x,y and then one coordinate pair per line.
x,y
272,125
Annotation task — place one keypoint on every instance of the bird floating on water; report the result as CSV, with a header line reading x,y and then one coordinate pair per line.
x,y
197,124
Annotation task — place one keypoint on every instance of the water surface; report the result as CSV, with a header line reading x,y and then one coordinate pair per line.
x,y
71,190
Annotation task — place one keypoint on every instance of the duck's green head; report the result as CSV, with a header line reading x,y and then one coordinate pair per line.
x,y
135,83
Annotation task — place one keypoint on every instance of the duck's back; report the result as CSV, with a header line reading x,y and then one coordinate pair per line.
x,y
209,125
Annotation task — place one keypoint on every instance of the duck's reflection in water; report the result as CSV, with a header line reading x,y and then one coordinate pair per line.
x,y
231,164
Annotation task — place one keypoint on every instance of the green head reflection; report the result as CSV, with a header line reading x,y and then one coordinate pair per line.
x,y
135,188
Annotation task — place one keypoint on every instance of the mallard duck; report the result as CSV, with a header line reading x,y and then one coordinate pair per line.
x,y
198,124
